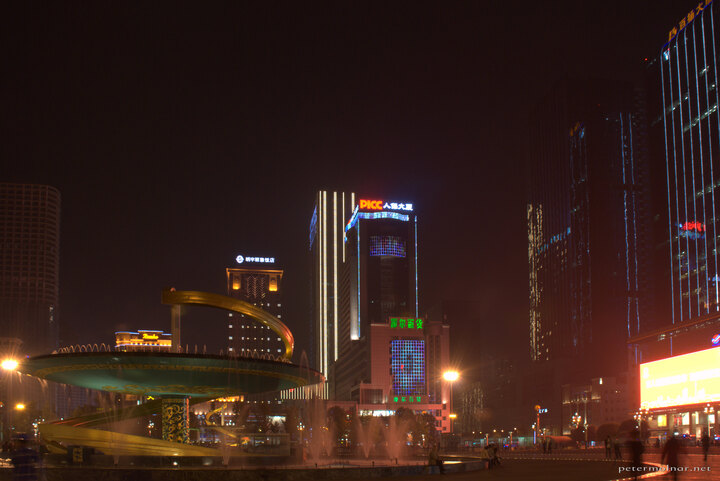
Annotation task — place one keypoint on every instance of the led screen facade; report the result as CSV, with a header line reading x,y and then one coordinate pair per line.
x,y
387,245
407,365
681,380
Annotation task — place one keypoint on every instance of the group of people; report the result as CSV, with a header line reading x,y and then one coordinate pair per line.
x,y
612,446
670,456
492,457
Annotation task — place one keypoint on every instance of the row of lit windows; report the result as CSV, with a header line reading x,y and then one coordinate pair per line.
x,y
253,339
255,304
254,350
230,326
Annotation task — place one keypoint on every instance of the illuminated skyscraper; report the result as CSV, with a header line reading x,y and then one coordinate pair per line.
x,y
688,64
588,219
29,265
327,228
589,234
378,281
255,280
381,267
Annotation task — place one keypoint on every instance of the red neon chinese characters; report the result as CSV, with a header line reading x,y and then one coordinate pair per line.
x,y
695,225
371,204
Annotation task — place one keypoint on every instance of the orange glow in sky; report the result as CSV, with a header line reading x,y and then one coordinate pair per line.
x,y
681,380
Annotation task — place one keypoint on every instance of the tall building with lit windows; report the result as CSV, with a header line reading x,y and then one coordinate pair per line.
x,y
326,243
378,281
691,120
589,234
29,265
380,274
255,280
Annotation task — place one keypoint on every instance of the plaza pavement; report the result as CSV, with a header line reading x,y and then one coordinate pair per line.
x,y
577,465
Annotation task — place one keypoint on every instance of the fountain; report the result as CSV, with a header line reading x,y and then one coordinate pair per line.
x,y
175,381
173,377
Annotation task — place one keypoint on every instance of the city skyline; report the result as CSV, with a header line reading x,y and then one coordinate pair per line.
x,y
190,169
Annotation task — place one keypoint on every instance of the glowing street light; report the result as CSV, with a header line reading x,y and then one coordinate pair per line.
x,y
451,377
19,406
9,364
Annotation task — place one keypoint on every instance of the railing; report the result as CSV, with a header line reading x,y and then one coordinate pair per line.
x,y
102,347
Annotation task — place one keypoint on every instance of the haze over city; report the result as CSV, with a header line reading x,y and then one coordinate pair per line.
x,y
517,198
180,137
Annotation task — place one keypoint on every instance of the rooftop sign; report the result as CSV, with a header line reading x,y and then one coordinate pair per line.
x,y
383,205
259,260
687,19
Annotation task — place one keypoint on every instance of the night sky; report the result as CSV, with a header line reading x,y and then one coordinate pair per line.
x,y
181,136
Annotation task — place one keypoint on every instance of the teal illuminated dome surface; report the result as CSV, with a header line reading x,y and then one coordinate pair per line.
x,y
169,374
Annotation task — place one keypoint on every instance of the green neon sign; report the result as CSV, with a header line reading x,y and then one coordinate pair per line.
x,y
407,399
400,323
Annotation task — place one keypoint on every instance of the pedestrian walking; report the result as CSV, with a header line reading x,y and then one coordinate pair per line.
x,y
608,445
616,448
705,442
671,455
636,449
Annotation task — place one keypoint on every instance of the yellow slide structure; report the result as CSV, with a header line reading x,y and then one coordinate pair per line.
x,y
119,444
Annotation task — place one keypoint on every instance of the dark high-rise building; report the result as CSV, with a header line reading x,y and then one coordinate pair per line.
x,y
29,265
381,268
589,234
378,280
689,79
326,243
257,281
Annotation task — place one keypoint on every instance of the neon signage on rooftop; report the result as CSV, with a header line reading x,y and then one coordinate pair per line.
x,y
687,19
367,204
260,260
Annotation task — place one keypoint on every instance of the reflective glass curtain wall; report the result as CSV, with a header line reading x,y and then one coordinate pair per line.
x,y
691,119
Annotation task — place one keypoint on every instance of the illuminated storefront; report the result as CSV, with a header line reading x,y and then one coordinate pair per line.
x,y
681,394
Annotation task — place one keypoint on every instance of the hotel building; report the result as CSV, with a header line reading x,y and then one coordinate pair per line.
x,y
257,281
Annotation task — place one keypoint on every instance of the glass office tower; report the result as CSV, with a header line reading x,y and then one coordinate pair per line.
x,y
692,138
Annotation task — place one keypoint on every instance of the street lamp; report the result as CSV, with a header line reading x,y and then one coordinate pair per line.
x,y
9,364
451,376
576,420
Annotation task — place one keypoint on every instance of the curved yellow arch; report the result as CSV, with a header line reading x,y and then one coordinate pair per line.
x,y
173,297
